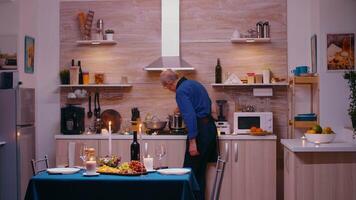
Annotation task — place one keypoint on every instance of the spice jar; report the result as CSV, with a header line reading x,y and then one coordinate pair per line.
x,y
99,78
86,78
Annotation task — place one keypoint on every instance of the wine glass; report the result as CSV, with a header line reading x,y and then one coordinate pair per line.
x,y
83,153
160,152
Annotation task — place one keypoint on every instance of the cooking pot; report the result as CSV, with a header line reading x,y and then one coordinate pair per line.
x,y
155,124
176,122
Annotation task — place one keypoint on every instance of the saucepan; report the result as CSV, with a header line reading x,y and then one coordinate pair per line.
x,y
176,122
155,124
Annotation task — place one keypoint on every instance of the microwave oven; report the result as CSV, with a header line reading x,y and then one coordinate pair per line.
x,y
243,121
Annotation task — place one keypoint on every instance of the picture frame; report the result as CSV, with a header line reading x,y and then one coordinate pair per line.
x,y
314,53
340,52
29,55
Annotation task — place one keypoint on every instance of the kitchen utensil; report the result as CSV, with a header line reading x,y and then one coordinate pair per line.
x,y
176,122
114,117
259,29
72,120
96,105
90,113
266,29
155,124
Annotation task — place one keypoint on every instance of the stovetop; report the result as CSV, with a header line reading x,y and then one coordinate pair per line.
x,y
166,132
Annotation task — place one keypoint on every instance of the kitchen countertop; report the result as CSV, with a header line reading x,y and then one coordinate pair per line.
x,y
299,145
159,137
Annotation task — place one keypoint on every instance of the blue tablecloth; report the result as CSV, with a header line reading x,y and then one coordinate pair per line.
x,y
109,187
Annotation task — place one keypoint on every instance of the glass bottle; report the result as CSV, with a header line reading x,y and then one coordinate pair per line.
x,y
80,73
218,72
135,148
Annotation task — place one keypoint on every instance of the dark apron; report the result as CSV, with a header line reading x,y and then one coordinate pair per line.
x,y
207,145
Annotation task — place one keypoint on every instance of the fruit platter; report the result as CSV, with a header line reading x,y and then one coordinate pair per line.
x,y
317,134
258,131
112,161
132,168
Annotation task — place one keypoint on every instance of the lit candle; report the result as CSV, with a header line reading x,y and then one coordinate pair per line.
x,y
110,138
148,162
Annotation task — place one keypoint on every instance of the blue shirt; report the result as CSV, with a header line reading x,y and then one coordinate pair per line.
x,y
193,102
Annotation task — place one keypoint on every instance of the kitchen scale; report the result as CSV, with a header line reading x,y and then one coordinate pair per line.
x,y
222,125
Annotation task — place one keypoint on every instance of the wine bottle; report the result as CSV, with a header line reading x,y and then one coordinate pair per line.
x,y
135,148
80,73
218,72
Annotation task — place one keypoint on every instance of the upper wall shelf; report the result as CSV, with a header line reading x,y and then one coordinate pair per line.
x,y
97,86
250,85
250,40
96,42
304,79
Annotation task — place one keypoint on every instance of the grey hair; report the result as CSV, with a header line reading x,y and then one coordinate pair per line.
x,y
168,76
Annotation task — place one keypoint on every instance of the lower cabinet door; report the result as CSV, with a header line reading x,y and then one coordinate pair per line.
x,y
62,147
253,170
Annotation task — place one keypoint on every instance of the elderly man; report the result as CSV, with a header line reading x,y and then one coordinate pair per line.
x,y
195,106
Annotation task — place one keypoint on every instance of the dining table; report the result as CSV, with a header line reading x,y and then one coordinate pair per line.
x,y
45,186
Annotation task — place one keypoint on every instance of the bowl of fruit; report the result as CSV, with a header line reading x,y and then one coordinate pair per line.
x,y
317,134
258,131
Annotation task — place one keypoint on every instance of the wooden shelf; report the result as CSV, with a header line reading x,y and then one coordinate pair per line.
x,y
305,79
250,40
304,124
96,42
250,85
97,86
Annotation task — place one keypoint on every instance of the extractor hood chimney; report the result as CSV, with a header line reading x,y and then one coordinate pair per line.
x,y
170,58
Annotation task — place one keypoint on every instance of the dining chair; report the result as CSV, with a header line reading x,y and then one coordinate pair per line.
x,y
219,175
39,165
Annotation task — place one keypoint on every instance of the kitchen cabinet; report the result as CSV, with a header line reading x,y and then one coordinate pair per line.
x,y
253,168
319,175
250,171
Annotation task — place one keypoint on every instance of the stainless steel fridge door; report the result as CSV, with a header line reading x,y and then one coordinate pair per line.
x,y
26,106
8,159
25,152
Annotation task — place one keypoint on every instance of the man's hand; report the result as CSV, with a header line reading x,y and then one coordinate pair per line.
x,y
193,150
176,110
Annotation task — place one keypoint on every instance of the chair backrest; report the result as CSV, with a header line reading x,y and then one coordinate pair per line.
x,y
39,165
220,168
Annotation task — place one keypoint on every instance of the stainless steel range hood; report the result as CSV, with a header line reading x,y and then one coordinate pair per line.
x,y
170,49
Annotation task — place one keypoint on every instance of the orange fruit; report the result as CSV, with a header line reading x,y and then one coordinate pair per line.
x,y
259,130
253,129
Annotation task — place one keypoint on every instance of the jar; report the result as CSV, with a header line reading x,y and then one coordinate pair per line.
x,y
73,75
86,78
99,78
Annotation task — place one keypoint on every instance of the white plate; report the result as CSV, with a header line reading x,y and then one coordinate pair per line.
x,y
95,174
176,171
61,170
150,171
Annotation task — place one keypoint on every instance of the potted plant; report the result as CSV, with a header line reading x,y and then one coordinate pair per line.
x,y
64,76
350,76
109,34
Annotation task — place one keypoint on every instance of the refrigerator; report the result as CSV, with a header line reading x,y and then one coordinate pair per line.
x,y
17,136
